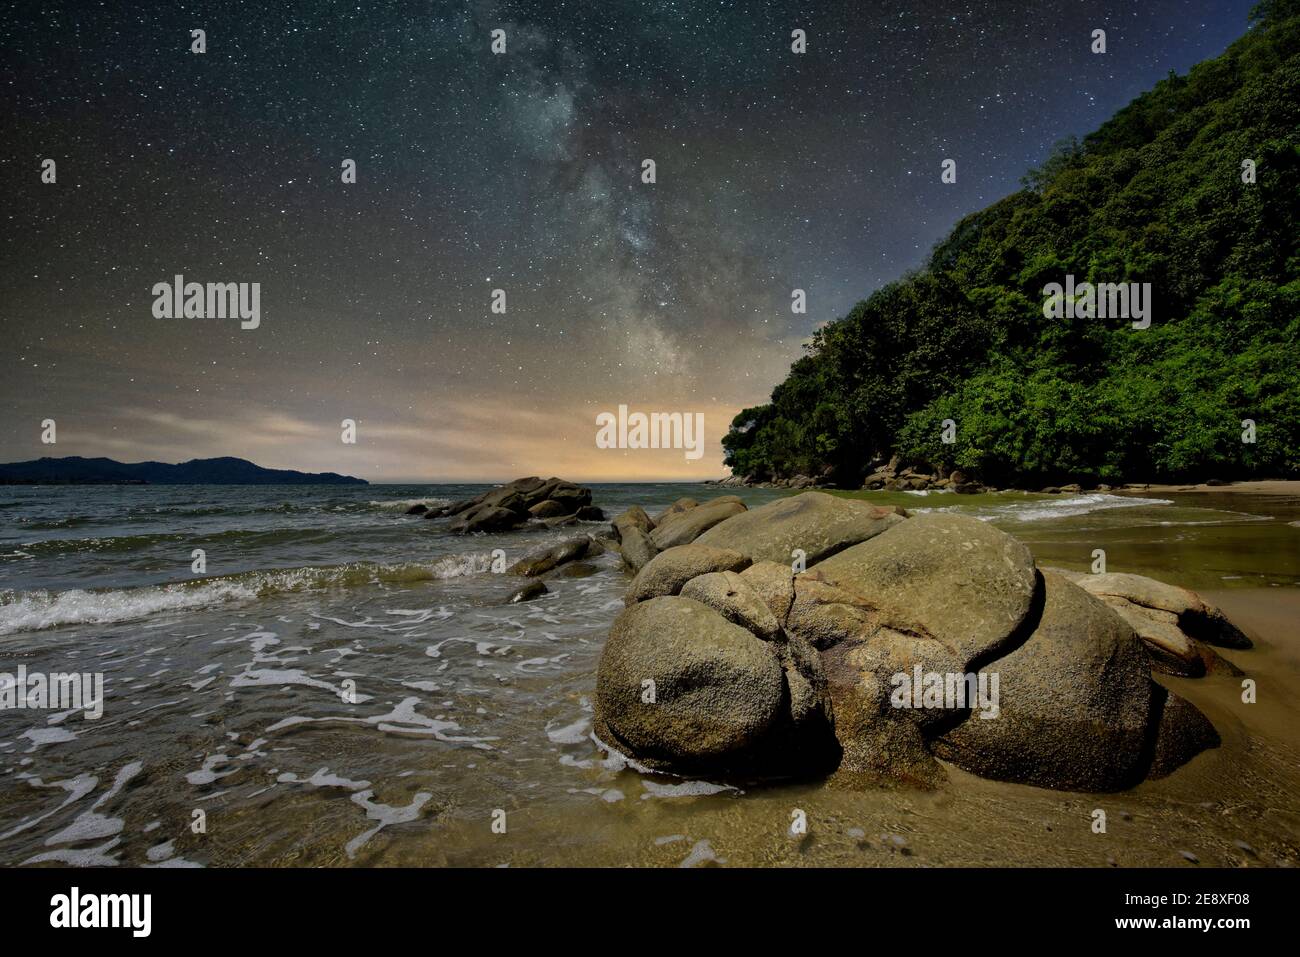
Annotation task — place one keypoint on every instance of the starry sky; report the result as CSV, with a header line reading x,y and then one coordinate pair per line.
x,y
519,171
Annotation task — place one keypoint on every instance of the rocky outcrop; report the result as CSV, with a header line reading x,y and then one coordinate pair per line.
x,y
927,639
1177,626
514,504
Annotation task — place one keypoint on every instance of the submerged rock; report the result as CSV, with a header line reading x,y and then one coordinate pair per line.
x,y
534,589
541,562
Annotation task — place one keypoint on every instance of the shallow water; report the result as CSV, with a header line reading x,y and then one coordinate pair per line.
x,y
346,686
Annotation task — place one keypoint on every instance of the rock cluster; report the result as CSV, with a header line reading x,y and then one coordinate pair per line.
x,y
817,634
552,501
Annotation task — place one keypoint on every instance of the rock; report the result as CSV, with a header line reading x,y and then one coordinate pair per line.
x,y
667,572
577,570
636,548
418,509
485,518
685,527
729,594
1075,702
1051,490
518,497
548,508
634,517
1170,650
816,523
957,477
1105,488
590,513
533,589
538,563
681,505
1073,489
774,584
1196,617
1182,733
718,689
942,577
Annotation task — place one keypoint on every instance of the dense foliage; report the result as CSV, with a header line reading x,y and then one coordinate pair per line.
x,y
1156,195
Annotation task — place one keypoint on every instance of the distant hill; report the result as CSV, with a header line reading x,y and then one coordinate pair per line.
x,y
75,470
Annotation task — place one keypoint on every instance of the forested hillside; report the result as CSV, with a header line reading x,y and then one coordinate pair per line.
x,y
1157,196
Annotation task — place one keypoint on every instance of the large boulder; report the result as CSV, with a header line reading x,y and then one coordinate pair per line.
x,y
730,595
955,584
1074,702
774,583
634,517
636,548
814,522
936,638
716,687
667,572
682,689
682,528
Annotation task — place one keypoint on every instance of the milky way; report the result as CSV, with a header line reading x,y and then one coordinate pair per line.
x,y
519,171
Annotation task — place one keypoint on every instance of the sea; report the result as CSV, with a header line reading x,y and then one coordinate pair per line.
x,y
337,682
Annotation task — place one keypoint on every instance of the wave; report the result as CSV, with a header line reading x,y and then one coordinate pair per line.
x,y
246,537
38,610
1039,510
405,503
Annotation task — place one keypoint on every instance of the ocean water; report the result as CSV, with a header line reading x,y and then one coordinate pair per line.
x,y
347,685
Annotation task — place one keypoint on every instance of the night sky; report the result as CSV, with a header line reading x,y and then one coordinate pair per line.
x,y
520,171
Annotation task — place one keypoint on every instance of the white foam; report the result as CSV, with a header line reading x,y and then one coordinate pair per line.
x,y
405,503
1038,510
